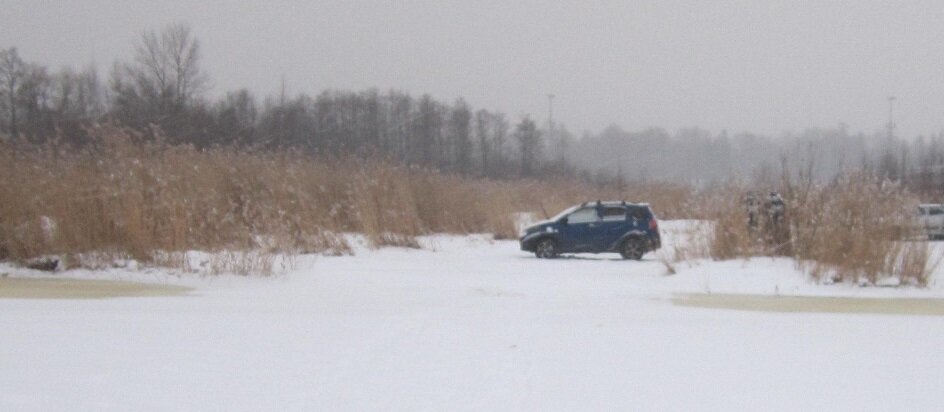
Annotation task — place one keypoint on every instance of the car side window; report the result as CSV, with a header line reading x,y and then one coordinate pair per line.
x,y
585,215
614,214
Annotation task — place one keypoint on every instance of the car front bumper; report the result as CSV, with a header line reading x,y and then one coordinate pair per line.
x,y
529,241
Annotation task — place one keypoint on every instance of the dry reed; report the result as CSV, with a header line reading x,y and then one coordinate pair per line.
x,y
853,229
125,198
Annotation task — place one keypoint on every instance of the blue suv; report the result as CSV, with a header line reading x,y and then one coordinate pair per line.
x,y
629,229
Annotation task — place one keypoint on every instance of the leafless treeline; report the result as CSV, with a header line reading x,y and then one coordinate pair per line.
x,y
163,90
701,158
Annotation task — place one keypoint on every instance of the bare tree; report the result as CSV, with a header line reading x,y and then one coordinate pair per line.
x,y
33,97
171,61
75,99
400,116
12,70
529,144
427,132
481,133
499,135
460,132
164,78
236,115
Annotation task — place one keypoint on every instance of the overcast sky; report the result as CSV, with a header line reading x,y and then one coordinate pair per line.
x,y
760,66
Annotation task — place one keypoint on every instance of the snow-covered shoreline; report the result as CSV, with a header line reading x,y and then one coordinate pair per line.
x,y
756,276
467,323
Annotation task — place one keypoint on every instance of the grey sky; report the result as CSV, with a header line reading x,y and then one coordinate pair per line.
x,y
758,66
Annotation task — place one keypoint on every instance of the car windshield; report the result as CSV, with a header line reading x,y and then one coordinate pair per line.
x,y
566,212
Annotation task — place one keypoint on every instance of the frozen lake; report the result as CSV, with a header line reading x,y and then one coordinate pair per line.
x,y
470,324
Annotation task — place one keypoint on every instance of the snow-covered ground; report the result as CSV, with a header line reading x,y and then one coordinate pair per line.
x,y
468,324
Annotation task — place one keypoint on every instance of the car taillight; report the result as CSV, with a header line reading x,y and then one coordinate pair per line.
x,y
653,224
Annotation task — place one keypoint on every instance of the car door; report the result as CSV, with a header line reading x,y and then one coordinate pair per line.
x,y
614,225
581,231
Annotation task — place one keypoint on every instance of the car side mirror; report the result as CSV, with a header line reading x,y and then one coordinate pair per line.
x,y
562,220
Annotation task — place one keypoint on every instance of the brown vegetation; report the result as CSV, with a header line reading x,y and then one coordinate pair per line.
x,y
123,197
854,229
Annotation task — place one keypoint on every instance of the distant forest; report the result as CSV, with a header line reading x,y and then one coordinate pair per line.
x,y
162,93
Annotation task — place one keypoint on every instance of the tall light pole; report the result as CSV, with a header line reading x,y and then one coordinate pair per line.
x,y
891,118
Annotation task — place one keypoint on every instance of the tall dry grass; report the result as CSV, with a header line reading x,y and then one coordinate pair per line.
x,y
123,197
853,229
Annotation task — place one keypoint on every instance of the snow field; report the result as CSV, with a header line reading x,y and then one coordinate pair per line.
x,y
468,324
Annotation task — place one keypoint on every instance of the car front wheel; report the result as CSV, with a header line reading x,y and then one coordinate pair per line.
x,y
632,249
546,249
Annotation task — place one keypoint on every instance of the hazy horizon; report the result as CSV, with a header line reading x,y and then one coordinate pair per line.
x,y
764,67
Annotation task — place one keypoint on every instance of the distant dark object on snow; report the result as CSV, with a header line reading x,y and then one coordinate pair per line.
x,y
766,218
45,264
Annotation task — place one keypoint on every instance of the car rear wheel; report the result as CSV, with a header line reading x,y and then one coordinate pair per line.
x,y
632,249
546,249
